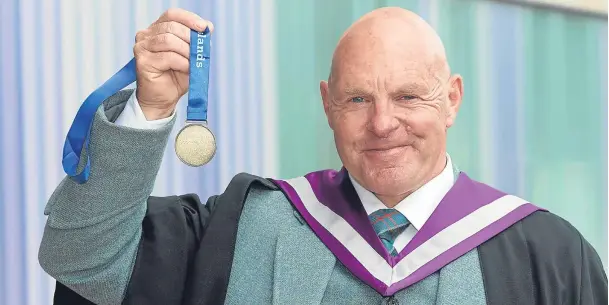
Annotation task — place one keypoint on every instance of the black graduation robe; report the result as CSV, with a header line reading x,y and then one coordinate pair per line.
x,y
541,259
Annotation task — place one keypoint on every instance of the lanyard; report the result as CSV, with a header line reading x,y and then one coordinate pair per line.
x,y
78,136
198,76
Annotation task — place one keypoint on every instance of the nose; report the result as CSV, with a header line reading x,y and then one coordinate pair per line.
x,y
382,120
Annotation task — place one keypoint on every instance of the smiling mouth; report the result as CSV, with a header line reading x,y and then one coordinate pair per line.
x,y
384,150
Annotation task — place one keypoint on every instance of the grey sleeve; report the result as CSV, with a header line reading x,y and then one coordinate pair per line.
x,y
93,229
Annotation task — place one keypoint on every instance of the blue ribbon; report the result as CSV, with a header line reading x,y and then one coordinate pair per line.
x,y
198,76
77,138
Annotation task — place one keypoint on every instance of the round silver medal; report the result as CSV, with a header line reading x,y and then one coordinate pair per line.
x,y
195,144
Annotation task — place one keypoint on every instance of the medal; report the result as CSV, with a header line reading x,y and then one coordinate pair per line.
x,y
195,144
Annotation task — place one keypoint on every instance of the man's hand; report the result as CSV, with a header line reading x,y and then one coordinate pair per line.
x,y
162,61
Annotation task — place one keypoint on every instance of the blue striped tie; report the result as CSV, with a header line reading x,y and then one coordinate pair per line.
x,y
388,224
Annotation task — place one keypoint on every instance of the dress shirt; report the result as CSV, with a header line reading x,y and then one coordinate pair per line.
x,y
417,207
132,116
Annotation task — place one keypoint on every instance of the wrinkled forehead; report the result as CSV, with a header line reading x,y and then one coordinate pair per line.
x,y
389,70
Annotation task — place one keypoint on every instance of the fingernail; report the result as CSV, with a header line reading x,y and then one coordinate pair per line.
x,y
201,25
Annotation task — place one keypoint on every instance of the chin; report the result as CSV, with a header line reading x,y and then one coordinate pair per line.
x,y
385,180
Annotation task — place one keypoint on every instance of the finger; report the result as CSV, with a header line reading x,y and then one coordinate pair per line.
x,y
189,19
141,35
166,42
163,61
178,29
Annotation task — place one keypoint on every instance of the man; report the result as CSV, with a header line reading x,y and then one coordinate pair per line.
x,y
399,224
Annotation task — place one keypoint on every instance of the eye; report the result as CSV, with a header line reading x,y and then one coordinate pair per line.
x,y
408,97
358,99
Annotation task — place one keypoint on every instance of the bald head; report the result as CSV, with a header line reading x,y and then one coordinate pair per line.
x,y
389,101
391,33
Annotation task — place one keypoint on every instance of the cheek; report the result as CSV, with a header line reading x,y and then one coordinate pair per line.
x,y
424,123
343,139
348,126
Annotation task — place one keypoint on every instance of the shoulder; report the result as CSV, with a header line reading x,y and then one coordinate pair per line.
x,y
551,240
550,235
245,187
542,259
541,230
254,203
242,183
546,237
250,193
548,228
264,200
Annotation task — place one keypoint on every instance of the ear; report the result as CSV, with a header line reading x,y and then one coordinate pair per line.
x,y
455,96
325,97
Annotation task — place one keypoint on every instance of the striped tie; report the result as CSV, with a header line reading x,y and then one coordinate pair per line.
x,y
388,224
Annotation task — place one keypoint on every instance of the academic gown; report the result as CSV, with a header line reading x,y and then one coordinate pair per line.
x,y
532,257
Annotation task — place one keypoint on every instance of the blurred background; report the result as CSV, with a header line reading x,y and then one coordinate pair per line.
x,y
533,121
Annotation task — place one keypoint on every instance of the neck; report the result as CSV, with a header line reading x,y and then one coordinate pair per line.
x,y
391,201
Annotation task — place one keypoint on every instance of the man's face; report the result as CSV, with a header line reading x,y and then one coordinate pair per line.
x,y
389,108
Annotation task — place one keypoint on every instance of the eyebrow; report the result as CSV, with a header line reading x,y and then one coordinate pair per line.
x,y
352,91
413,87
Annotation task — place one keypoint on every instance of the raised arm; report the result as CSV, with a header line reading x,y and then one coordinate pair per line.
x,y
93,229
92,233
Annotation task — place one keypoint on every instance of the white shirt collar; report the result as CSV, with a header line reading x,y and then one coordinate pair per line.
x,y
419,205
